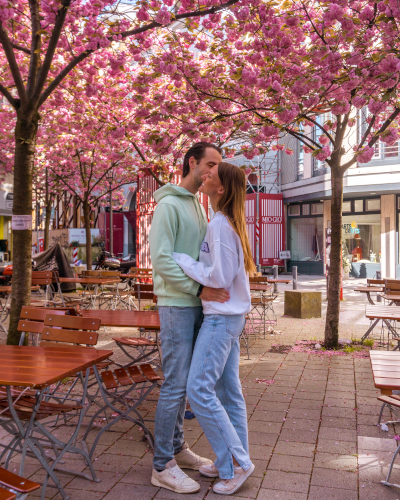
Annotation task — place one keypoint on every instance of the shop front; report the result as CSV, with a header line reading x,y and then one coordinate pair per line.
x,y
6,204
305,237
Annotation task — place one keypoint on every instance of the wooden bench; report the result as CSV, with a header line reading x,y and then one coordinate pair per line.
x,y
15,483
386,314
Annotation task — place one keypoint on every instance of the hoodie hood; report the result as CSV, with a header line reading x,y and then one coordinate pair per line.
x,y
171,190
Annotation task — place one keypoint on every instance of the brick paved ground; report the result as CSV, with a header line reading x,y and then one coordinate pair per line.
x,y
312,431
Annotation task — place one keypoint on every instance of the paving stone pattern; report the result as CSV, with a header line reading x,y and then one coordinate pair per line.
x,y
312,431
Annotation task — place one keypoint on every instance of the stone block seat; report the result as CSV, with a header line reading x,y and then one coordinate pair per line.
x,y
303,303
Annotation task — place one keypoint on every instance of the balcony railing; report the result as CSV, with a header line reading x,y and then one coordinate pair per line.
x,y
385,152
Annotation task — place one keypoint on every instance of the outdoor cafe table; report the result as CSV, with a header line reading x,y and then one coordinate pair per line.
x,y
368,290
260,287
150,320
37,368
97,283
386,314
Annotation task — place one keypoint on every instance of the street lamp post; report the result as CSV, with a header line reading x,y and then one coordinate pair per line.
x,y
110,177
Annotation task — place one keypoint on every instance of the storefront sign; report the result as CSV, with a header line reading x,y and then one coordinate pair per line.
x,y
284,254
21,222
351,228
79,235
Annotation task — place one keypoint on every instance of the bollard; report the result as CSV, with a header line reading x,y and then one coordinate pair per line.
x,y
378,277
258,267
275,271
294,272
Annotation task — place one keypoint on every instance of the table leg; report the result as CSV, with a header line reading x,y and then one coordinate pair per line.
x,y
369,299
373,325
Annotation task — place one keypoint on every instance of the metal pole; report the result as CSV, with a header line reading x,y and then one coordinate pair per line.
x,y
378,277
258,220
111,221
294,271
37,227
275,270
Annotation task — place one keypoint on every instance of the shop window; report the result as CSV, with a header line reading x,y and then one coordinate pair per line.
x,y
361,237
306,239
317,208
306,209
346,207
358,206
373,205
294,209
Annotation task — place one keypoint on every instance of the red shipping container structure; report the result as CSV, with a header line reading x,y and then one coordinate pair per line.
x,y
145,209
118,231
270,228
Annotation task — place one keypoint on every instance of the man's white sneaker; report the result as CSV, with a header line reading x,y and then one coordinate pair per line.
x,y
212,471
230,486
186,459
174,479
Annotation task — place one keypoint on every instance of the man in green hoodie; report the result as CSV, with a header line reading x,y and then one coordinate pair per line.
x,y
179,225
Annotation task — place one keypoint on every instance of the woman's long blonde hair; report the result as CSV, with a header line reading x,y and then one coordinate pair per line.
x,y
232,204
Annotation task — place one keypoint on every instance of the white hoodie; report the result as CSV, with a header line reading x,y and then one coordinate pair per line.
x,y
221,265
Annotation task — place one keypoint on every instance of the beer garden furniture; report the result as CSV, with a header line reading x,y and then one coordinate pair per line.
x,y
386,372
14,485
388,315
92,288
144,346
32,370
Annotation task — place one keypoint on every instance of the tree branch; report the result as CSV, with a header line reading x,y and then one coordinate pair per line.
x,y
16,74
55,35
19,47
35,46
8,96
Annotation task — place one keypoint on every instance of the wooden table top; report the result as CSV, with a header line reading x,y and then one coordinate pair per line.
x,y
386,370
90,281
123,318
279,280
383,312
369,289
39,367
137,276
260,287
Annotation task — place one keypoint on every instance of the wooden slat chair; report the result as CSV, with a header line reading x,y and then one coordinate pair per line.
x,y
80,332
32,321
123,391
43,278
374,282
16,486
143,291
262,306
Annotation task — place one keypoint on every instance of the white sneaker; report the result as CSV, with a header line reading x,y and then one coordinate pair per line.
x,y
186,459
174,479
230,486
212,471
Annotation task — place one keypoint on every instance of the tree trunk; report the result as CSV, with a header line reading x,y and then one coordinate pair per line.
x,y
25,143
47,222
86,216
332,313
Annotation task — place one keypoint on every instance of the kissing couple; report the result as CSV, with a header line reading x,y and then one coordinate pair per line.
x,y
201,278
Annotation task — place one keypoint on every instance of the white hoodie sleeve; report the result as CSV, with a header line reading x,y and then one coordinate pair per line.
x,y
220,274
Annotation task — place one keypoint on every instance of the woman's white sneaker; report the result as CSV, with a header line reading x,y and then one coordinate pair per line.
x,y
174,479
186,459
212,471
230,486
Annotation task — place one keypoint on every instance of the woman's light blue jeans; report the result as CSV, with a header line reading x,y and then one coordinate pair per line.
x,y
215,392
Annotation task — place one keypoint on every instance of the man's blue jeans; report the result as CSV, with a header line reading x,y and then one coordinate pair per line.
x,y
215,392
179,329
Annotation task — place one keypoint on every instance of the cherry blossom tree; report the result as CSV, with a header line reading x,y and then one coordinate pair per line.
x,y
324,73
47,46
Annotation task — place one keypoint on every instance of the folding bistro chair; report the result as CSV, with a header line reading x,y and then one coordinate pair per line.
x,y
32,322
123,391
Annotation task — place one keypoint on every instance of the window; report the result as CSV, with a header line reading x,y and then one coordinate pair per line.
x,y
385,152
361,237
358,206
373,205
320,167
300,160
306,239
346,206
306,209
317,208
294,209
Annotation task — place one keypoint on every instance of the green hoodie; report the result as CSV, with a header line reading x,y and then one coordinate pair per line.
x,y
179,225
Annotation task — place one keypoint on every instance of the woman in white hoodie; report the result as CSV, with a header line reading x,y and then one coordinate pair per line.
x,y
214,389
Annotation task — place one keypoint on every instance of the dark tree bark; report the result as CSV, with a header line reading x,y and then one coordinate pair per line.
x,y
335,268
25,142
86,216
